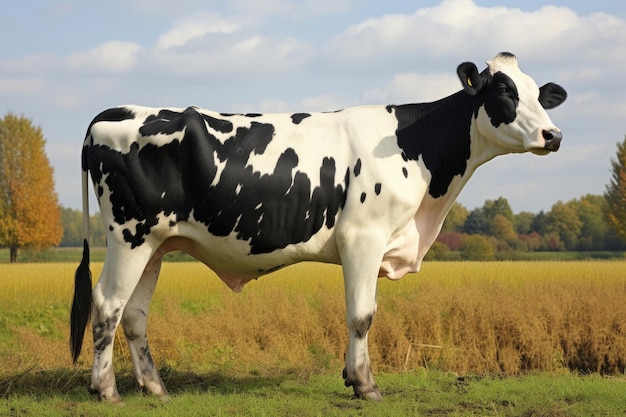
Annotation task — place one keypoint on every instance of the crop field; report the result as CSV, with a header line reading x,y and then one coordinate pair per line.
x,y
466,333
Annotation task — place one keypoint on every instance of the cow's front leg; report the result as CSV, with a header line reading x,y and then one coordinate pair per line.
x,y
360,267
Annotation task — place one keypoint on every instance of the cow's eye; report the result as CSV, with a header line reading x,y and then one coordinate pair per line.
x,y
503,89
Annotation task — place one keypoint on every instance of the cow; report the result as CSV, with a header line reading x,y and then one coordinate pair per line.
x,y
367,187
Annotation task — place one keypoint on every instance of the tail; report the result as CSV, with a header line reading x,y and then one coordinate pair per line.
x,y
81,306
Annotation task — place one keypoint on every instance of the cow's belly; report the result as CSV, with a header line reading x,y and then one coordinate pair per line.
x,y
230,258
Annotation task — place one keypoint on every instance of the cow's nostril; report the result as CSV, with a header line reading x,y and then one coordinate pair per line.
x,y
552,139
551,134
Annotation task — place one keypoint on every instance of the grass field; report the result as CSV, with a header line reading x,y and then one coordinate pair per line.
x,y
72,254
459,338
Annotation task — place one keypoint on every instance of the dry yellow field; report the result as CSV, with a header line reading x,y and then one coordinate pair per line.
x,y
466,317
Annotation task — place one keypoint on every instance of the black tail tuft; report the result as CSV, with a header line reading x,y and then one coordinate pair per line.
x,y
81,306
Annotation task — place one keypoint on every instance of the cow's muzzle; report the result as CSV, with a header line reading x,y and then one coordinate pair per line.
x,y
552,140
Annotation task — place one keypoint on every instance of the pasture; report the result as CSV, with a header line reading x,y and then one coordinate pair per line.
x,y
459,338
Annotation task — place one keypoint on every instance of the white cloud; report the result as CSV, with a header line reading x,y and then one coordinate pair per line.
x,y
271,106
66,100
414,87
252,54
21,85
319,103
442,36
195,27
29,64
248,45
102,84
583,74
308,8
290,9
593,108
322,103
63,151
113,56
549,36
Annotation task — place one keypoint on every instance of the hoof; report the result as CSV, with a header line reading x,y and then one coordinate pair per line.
x,y
361,392
112,399
373,395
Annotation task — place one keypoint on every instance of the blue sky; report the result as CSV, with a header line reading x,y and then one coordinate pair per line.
x,y
62,62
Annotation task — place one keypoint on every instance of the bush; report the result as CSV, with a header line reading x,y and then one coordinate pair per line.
x,y
453,240
437,252
477,248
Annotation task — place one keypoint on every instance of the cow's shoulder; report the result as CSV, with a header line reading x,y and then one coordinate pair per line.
x,y
427,132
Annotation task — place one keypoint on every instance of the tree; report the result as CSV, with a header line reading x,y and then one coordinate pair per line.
x,y
477,223
501,206
539,223
594,230
615,193
563,221
524,222
73,229
503,230
455,219
29,212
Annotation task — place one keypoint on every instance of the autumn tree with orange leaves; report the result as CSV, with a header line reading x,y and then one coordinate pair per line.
x,y
30,215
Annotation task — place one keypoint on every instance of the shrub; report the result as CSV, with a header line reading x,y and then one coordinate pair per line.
x,y
438,251
453,240
477,248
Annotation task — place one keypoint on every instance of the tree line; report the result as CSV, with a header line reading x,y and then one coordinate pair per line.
x,y
577,225
72,221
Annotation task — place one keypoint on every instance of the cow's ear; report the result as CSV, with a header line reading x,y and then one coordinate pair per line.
x,y
551,95
471,79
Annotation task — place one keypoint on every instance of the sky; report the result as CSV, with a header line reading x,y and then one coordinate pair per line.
x,y
63,62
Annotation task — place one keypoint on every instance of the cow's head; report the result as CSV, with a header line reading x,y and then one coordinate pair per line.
x,y
513,111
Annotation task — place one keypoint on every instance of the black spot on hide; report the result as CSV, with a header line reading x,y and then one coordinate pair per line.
x,y
296,118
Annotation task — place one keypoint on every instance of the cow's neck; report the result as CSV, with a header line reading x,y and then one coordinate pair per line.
x,y
444,136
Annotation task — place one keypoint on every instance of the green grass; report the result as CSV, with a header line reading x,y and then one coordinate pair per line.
x,y
418,393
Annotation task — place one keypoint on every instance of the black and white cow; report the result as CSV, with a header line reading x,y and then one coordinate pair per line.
x,y
367,187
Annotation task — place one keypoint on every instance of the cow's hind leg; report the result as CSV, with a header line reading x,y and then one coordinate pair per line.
x,y
120,275
134,322
361,261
